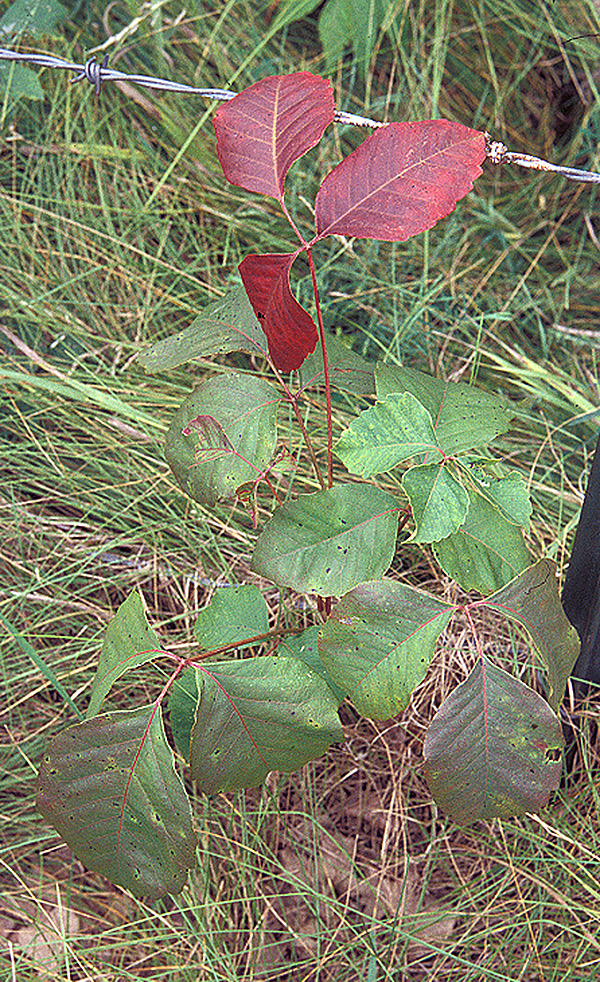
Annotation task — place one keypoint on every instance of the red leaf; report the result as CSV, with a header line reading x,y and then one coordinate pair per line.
x,y
268,126
400,181
291,332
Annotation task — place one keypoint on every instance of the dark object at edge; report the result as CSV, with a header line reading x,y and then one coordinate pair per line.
x,y
581,592
581,603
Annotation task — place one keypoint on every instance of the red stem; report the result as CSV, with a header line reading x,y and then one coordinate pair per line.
x,y
325,368
324,351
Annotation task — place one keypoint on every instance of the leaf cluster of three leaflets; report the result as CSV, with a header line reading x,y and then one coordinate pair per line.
x,y
399,182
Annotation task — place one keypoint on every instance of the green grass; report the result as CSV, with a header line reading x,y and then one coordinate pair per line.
x,y
116,227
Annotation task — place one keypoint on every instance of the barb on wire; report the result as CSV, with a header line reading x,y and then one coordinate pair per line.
x,y
96,74
498,153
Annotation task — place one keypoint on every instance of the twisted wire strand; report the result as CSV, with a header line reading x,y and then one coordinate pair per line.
x,y
536,163
96,74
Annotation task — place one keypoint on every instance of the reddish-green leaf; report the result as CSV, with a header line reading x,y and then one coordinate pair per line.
x,y
400,181
108,786
290,330
439,502
490,750
329,541
378,643
129,642
268,126
532,599
258,715
227,324
222,435
487,550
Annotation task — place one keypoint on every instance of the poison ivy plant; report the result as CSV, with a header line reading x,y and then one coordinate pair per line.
x,y
109,784
247,697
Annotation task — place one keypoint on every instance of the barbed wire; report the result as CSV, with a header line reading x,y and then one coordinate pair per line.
x,y
97,73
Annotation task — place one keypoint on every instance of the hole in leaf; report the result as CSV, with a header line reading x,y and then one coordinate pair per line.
x,y
553,753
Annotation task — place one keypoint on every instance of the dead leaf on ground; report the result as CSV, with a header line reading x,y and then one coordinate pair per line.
x,y
38,928
355,887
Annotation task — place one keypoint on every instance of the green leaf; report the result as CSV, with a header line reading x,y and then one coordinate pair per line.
x,y
486,552
342,23
489,752
378,643
259,715
508,493
329,541
228,324
351,22
394,429
305,648
243,410
347,369
129,642
183,703
234,614
439,503
19,81
532,599
31,17
464,416
109,788
289,11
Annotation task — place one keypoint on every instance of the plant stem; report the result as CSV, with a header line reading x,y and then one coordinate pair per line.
x,y
292,399
279,632
325,368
